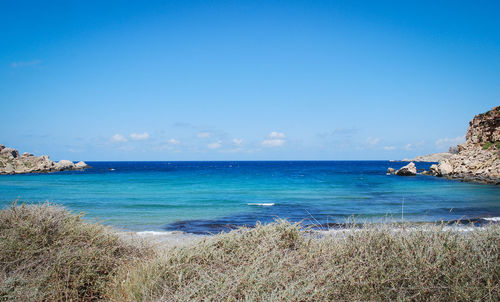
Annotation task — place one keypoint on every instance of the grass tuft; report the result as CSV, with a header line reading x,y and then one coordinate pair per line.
x,y
49,254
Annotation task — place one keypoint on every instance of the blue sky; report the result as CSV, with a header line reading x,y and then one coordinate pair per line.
x,y
235,80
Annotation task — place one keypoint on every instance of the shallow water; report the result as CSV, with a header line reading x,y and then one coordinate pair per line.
x,y
203,197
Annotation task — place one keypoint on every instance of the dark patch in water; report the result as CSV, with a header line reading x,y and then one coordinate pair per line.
x,y
201,226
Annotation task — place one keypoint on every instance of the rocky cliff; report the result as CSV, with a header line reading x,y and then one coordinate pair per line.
x,y
478,159
13,163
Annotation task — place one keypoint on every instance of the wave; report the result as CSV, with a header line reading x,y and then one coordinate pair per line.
x,y
261,204
492,218
155,233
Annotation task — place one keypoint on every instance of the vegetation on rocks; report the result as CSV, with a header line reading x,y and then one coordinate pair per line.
x,y
487,145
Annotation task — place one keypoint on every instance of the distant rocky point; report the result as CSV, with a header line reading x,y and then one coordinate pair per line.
x,y
13,163
434,157
478,159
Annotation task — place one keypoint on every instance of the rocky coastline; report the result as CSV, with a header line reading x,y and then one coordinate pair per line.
x,y
434,157
11,162
477,160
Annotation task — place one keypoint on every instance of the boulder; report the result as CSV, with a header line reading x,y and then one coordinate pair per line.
x,y
444,168
10,152
391,171
434,170
8,168
408,170
26,154
64,165
81,165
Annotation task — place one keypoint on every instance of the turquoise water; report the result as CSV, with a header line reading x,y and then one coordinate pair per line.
x,y
208,196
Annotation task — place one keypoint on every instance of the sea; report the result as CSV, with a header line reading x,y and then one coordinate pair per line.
x,y
208,197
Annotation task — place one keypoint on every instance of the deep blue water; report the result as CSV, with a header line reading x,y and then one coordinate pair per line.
x,y
208,196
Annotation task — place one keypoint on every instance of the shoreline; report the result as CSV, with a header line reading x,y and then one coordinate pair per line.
x,y
169,239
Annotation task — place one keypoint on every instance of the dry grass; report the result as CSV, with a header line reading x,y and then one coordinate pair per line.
x,y
49,254
278,262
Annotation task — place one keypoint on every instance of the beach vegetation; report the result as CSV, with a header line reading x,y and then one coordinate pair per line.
x,y
50,254
282,262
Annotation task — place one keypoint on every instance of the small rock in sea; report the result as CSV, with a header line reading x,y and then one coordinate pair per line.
x,y
433,170
65,165
391,171
408,170
81,165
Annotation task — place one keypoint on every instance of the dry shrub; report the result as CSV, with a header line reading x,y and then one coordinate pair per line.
x,y
279,262
49,254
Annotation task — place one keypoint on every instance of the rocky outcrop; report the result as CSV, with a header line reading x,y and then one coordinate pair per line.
x,y
408,170
433,170
81,165
12,163
434,157
478,159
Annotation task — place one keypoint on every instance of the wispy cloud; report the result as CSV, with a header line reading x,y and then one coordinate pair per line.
x,y
413,146
389,148
204,134
139,136
274,139
445,143
214,145
25,63
181,124
237,141
173,141
339,132
118,138
275,134
372,141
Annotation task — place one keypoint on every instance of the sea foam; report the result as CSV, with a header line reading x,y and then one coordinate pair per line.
x,y
492,218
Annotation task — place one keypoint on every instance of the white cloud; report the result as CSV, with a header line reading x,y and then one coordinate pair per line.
x,y
372,141
273,142
275,134
237,141
25,63
204,134
413,146
389,148
445,143
214,145
275,139
173,141
118,138
139,136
